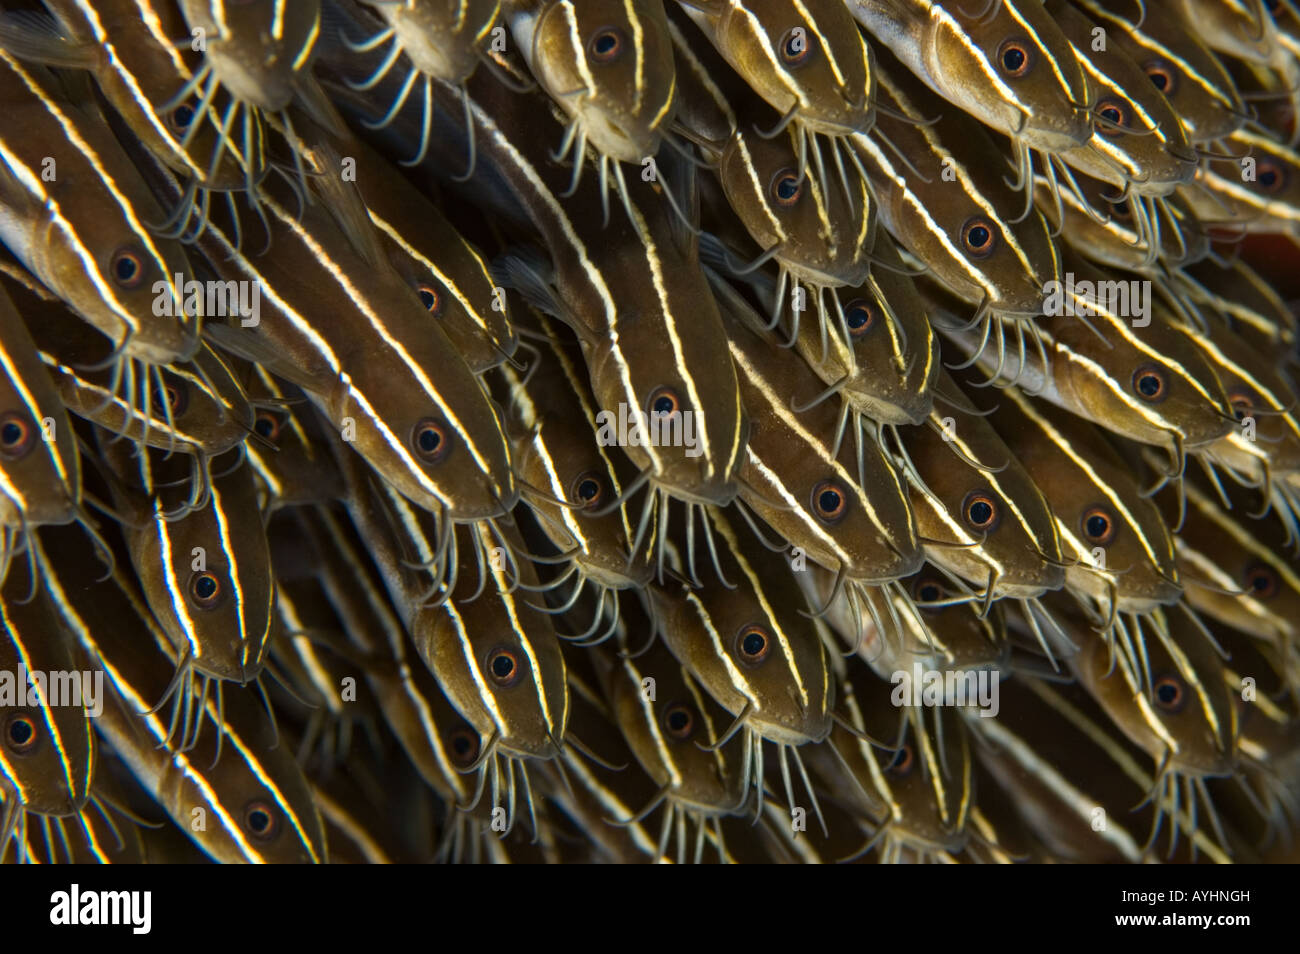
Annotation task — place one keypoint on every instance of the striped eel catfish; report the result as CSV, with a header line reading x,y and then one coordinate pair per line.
x,y
1138,143
290,455
1252,308
913,790
40,468
73,209
558,450
800,476
1235,571
672,727
235,792
984,518
608,64
495,655
1009,66
47,752
258,53
753,651
807,61
1115,355
1122,552
355,337
448,274
944,196
1179,65
1240,28
102,833
206,573
443,43
1079,781
441,745
1255,187
635,295
134,51
1186,720
820,238
200,410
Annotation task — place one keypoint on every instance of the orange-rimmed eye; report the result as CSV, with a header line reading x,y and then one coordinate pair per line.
x,y
1243,401
262,820
205,590
795,47
679,721
829,501
430,441
978,238
1169,692
928,590
786,188
17,435
981,512
503,667
1113,116
1098,526
1261,581
126,268
901,765
181,117
1122,210
430,297
606,45
267,425
588,490
859,317
1151,383
1270,176
464,744
753,644
664,403
1162,76
174,396
1014,58
20,733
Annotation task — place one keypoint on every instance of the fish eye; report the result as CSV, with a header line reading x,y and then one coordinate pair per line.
x,y
16,435
127,268
829,501
1162,76
1242,400
588,489
429,297
1114,115
1261,581
859,316
205,589
1098,526
174,396
664,402
980,511
1271,176
464,744
1150,383
267,425
786,188
21,733
503,667
1169,692
679,721
606,45
901,766
795,47
1121,210
182,116
1013,58
261,820
928,590
753,644
978,238
430,441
